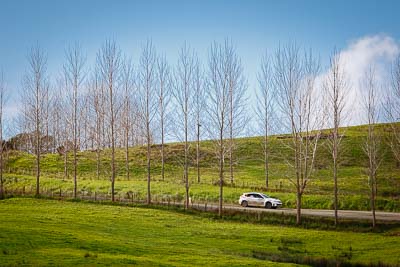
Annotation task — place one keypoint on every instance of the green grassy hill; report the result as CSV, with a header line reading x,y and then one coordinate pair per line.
x,y
353,181
37,232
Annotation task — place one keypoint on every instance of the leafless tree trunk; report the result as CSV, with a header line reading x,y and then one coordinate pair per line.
x,y
265,108
73,71
35,89
372,142
65,126
163,80
2,102
147,72
297,99
58,119
199,103
237,102
46,113
335,89
83,126
218,108
97,103
57,110
392,111
109,62
183,93
128,86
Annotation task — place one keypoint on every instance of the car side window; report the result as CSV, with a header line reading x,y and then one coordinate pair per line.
x,y
257,196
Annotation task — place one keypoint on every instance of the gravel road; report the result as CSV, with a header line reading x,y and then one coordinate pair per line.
x,y
344,214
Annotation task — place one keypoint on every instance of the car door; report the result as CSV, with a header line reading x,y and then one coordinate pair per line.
x,y
258,200
251,200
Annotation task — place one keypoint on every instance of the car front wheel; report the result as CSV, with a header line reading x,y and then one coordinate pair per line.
x,y
244,203
268,205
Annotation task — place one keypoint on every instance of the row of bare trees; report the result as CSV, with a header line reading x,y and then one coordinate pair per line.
x,y
293,94
118,104
113,105
2,102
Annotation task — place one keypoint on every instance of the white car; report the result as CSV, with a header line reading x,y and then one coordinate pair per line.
x,y
259,200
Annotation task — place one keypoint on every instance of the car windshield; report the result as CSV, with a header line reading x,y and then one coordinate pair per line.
x,y
264,195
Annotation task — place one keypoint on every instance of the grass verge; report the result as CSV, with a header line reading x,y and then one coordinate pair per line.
x,y
46,232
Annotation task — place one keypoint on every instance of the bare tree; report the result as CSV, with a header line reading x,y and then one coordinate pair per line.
x,y
128,87
237,102
336,89
109,63
3,91
74,75
83,121
56,118
147,105
35,85
64,125
97,102
392,111
183,94
218,109
138,136
297,99
46,139
163,94
265,108
199,106
372,143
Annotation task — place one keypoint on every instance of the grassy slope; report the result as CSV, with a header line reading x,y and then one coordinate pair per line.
x,y
45,232
353,181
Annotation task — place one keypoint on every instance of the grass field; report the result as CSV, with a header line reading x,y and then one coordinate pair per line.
x,y
353,181
48,232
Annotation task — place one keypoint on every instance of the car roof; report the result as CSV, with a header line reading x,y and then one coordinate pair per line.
x,y
253,193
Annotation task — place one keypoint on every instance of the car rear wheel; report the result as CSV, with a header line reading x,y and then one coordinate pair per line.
x,y
244,203
268,205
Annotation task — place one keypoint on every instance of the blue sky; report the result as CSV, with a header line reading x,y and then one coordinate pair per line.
x,y
252,25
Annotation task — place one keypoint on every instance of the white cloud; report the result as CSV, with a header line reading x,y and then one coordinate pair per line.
x,y
377,51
